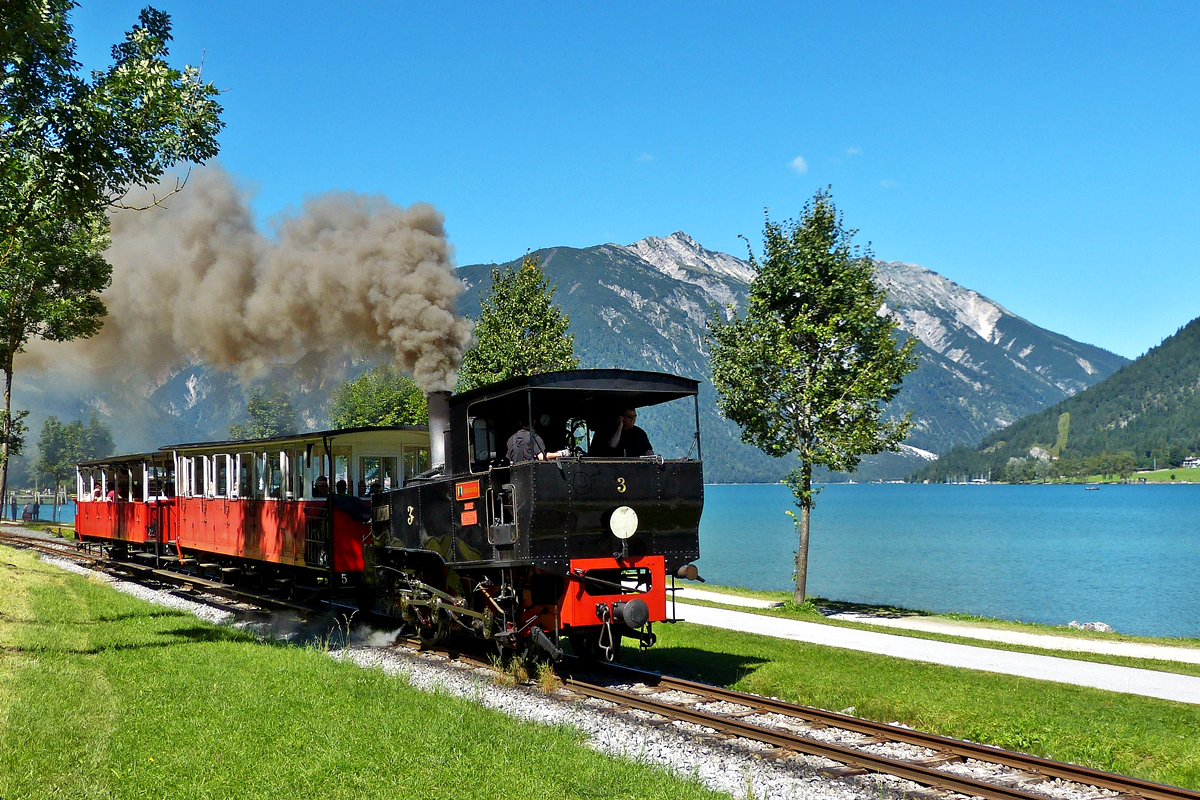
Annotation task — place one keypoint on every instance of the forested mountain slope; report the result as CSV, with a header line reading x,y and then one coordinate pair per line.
x,y
1150,408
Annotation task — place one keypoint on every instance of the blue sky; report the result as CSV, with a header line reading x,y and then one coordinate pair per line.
x,y
1042,154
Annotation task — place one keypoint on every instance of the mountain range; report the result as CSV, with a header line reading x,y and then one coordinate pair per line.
x,y
646,306
1150,409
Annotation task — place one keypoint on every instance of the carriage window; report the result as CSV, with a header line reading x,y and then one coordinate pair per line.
x,y
274,475
416,461
369,479
245,475
388,469
341,473
296,473
222,464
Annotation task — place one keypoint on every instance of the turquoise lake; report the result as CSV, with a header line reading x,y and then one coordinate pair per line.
x,y
1125,555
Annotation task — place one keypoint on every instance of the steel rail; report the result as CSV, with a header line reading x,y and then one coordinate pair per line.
x,y
141,571
926,776
943,744
1025,762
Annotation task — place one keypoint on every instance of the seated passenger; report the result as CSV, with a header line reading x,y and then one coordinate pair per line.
x,y
321,486
629,441
340,486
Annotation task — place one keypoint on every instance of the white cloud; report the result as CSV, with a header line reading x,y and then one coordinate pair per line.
x,y
799,164
645,157
887,184
854,151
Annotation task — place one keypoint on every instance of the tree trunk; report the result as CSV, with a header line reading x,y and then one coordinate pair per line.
x,y
802,529
7,431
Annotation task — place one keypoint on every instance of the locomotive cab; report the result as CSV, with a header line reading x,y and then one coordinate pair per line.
x,y
564,537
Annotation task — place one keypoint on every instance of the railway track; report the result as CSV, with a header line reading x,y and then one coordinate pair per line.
x,y
784,726
932,761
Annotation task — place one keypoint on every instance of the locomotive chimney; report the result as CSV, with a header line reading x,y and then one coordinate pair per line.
x,y
439,424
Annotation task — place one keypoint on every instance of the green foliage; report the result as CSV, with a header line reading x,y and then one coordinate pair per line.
x,y
810,367
1149,411
70,148
61,447
14,431
381,396
269,413
520,330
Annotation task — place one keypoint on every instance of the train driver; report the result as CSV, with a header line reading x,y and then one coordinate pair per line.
x,y
629,441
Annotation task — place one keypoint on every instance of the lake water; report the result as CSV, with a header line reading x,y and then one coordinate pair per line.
x,y
1125,555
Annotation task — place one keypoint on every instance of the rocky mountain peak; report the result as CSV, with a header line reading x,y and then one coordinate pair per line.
x,y
683,258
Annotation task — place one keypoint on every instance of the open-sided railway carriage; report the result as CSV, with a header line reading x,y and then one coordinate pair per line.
x,y
581,545
289,512
441,531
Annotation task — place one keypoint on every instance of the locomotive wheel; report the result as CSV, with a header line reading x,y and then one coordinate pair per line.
x,y
437,633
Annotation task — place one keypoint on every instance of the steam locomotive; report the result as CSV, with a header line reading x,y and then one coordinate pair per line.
x,y
437,527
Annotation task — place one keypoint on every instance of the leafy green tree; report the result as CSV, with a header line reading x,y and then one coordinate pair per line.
x,y
810,366
520,329
61,447
381,396
71,148
269,413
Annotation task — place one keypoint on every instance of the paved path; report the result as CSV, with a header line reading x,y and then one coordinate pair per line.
x,y
685,593
1164,685
1047,641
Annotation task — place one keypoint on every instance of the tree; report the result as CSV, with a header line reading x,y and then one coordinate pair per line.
x,y
61,447
810,366
520,330
268,414
381,396
71,148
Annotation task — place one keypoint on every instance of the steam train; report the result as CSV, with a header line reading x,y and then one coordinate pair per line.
x,y
436,526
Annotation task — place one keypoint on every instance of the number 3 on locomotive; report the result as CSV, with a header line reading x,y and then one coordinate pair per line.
x,y
410,515
621,485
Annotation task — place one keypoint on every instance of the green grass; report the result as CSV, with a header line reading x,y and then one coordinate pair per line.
x,y
105,696
1164,475
1153,739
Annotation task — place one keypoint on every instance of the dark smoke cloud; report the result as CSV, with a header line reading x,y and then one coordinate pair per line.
x,y
346,274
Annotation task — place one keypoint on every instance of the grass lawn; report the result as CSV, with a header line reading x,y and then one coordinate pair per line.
x,y
106,696
1149,738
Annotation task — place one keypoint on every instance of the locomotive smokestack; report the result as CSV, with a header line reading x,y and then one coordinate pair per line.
x,y
439,421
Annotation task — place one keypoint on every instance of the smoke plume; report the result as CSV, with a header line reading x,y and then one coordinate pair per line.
x,y
346,274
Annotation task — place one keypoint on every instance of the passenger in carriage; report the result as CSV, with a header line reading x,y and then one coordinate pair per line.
x,y
321,486
340,486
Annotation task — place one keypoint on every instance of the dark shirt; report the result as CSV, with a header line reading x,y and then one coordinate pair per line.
x,y
524,445
633,443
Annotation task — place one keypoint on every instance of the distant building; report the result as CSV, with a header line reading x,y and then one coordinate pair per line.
x,y
1190,462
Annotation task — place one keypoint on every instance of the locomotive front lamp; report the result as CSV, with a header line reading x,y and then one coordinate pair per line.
x,y
623,522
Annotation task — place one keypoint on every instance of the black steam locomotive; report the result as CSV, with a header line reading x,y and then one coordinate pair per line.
x,y
571,543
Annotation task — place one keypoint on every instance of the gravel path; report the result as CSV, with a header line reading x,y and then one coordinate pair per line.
x,y
1164,685
1187,655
